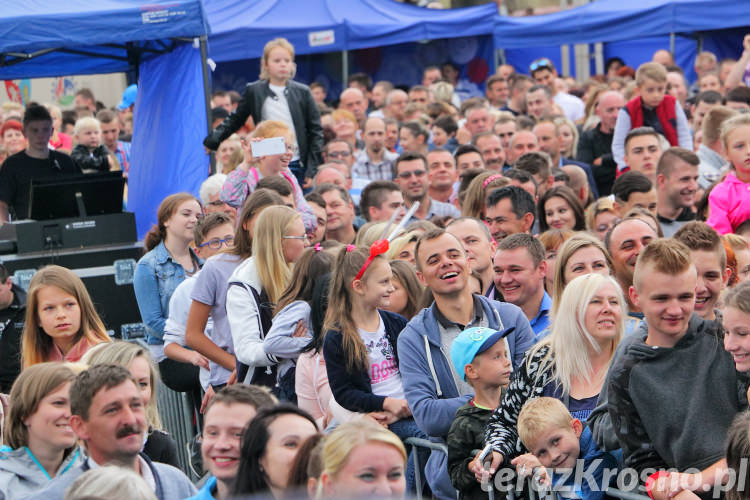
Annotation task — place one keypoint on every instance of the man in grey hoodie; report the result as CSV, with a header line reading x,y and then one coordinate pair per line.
x,y
672,388
433,389
109,416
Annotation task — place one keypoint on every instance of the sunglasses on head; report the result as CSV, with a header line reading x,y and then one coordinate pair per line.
x,y
541,63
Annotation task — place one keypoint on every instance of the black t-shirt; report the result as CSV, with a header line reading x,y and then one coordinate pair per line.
x,y
18,170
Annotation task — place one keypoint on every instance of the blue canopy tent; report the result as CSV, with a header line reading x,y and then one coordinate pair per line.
x,y
314,26
615,21
156,40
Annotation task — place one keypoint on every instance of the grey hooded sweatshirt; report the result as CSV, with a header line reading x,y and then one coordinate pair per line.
x,y
21,473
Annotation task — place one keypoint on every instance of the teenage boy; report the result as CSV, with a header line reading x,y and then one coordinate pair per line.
x,y
224,419
481,357
652,108
556,442
710,259
633,189
642,152
674,361
433,389
676,186
36,161
108,415
520,269
380,199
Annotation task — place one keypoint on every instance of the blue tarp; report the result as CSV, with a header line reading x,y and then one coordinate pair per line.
x,y
104,36
615,20
239,31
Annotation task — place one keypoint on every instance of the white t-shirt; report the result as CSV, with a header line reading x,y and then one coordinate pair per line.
x,y
385,377
278,109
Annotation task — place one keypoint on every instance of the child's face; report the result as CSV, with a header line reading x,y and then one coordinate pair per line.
x,y
90,137
738,150
399,298
279,64
274,164
377,284
711,281
493,366
439,137
558,447
652,92
59,315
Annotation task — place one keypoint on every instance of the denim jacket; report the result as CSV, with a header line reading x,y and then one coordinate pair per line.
x,y
156,278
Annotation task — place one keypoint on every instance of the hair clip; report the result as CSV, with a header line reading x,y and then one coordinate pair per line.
x,y
350,248
317,247
378,248
490,179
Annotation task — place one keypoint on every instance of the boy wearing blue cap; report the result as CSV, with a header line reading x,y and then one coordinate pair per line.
x,y
481,355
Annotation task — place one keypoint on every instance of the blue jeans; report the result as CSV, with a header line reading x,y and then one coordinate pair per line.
x,y
299,172
406,428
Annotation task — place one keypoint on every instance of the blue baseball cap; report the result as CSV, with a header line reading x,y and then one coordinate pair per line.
x,y
128,97
471,342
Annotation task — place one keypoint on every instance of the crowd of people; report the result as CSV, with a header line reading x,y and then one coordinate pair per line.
x,y
555,274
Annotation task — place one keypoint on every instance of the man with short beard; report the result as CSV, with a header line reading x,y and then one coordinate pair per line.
x,y
375,162
676,185
441,168
624,242
411,176
492,150
108,415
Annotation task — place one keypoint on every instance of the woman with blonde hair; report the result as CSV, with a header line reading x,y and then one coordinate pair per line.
x,y
39,443
360,446
580,254
159,446
279,238
61,321
476,194
568,137
601,216
571,364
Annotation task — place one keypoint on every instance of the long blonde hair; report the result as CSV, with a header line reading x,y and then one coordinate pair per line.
x,y
123,353
35,343
569,342
272,225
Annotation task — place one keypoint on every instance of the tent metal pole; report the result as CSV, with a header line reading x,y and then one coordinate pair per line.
x,y
671,44
599,58
344,68
206,94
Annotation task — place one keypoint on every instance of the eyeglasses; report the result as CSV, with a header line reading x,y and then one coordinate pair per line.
x,y
415,173
301,238
339,154
216,243
541,63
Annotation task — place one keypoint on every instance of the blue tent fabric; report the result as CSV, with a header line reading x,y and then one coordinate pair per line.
x,y
167,154
106,36
314,26
615,20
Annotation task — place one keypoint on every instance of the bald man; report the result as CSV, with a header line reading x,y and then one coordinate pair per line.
x,y
578,182
595,145
352,99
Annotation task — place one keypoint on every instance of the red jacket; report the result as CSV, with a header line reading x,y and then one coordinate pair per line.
x,y
665,111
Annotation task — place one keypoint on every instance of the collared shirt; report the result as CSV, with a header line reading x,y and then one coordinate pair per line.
x,y
540,322
365,168
437,209
122,153
669,226
446,323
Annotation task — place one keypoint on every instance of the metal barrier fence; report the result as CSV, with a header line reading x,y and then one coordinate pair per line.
x,y
177,416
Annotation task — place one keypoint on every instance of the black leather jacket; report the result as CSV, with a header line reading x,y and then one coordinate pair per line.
x,y
304,113
11,326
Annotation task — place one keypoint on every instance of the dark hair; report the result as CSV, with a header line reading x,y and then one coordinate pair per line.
x,y
307,463
404,273
544,88
737,451
254,204
630,182
167,208
709,97
739,94
4,275
430,235
218,113
319,307
464,149
570,198
207,223
316,199
276,183
698,235
374,194
251,478
86,94
243,394
521,202
668,157
326,187
362,79
106,116
89,382
640,132
234,96
527,241
416,129
612,60
521,176
408,156
307,271
36,113
219,93
447,123
534,163
465,179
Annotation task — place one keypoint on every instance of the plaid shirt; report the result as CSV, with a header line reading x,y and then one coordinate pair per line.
x,y
366,169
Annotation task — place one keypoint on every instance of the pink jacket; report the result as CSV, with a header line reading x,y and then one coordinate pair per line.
x,y
729,204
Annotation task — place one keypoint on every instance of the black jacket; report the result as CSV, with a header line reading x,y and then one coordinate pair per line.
x,y
304,113
596,144
11,326
353,391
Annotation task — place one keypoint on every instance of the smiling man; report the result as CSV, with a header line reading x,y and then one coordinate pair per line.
x,y
509,210
479,246
108,414
433,389
673,361
676,185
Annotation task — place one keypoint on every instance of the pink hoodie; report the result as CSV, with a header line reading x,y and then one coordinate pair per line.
x,y
729,204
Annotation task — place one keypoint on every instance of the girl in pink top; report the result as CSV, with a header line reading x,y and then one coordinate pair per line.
x,y
729,202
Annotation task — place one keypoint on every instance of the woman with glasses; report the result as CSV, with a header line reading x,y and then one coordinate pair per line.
x,y
257,284
601,217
